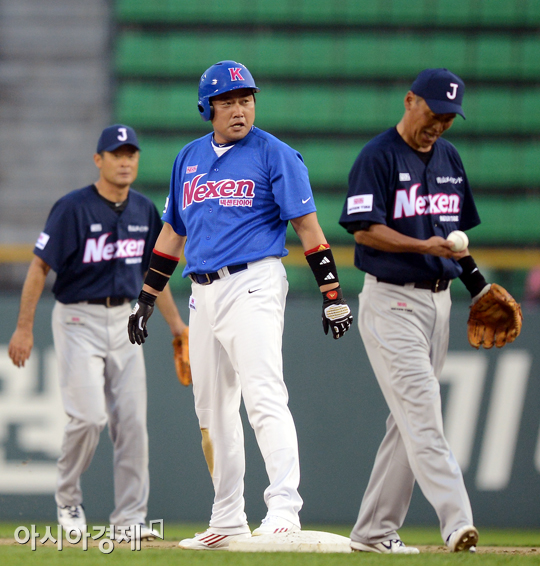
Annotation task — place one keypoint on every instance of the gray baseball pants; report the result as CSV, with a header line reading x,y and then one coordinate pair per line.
x,y
102,380
405,331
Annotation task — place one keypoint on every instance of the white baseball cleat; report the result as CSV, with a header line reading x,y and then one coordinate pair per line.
x,y
72,518
393,546
147,533
273,525
210,541
140,532
461,539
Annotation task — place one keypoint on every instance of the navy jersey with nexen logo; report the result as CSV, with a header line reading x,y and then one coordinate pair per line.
x,y
235,208
389,184
95,251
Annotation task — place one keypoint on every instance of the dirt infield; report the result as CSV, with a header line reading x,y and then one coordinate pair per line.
x,y
434,549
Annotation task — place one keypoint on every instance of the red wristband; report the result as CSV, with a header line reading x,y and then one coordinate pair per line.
x,y
319,248
165,255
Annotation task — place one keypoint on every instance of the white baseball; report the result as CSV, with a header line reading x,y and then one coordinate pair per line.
x,y
459,239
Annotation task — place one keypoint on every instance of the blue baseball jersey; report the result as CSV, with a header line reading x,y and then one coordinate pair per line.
x,y
95,251
389,184
235,208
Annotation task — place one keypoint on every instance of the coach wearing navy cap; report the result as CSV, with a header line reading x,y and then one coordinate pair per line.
x,y
408,191
116,136
442,91
98,240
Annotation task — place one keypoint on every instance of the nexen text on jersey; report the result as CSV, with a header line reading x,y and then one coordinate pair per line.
x,y
242,191
97,250
408,204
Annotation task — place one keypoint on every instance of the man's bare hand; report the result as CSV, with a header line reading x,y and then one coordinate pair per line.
x,y
20,346
438,246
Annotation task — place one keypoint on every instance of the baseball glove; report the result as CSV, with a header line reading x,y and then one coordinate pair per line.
x,y
181,357
495,318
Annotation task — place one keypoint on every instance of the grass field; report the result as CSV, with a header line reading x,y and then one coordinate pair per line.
x,y
15,555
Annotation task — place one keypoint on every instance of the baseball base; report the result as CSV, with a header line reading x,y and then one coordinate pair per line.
x,y
298,541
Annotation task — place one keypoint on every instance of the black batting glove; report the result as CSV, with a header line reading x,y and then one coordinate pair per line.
x,y
139,316
336,313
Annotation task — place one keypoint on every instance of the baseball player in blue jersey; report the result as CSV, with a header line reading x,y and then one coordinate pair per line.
x,y
99,240
407,191
232,194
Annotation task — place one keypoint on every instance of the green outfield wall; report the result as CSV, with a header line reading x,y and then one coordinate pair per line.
x,y
491,410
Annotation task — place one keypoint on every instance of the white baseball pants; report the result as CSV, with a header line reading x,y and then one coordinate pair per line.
x,y
236,327
405,331
102,380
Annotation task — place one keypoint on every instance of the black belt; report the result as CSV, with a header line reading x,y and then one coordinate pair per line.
x,y
208,278
434,285
109,301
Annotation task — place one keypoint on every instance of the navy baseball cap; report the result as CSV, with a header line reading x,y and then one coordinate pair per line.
x,y
113,137
442,90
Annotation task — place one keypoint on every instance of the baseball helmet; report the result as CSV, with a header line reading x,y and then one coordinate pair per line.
x,y
219,78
